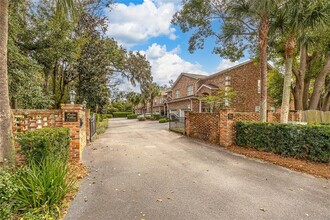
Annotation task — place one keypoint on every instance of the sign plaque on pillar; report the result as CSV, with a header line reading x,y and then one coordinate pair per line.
x,y
230,116
71,116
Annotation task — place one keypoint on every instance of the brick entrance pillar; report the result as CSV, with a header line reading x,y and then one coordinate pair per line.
x,y
226,117
72,115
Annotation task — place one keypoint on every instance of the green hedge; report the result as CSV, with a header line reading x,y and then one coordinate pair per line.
x,y
39,144
156,116
109,116
121,114
132,116
142,119
163,120
310,142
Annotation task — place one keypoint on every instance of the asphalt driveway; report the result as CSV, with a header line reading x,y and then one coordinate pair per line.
x,y
140,170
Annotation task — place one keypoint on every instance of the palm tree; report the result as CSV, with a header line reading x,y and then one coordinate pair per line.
x,y
6,145
261,11
154,91
299,16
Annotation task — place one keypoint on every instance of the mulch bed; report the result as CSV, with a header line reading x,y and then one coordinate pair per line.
x,y
79,171
315,169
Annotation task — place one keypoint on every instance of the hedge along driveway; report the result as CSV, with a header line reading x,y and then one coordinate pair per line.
x,y
310,142
140,170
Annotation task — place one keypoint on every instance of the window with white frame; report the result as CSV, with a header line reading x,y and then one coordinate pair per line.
x,y
259,86
177,93
257,108
190,90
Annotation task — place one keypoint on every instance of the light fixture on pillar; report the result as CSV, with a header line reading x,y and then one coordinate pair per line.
x,y
84,104
72,96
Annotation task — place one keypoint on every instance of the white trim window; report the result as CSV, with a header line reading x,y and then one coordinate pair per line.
x,y
190,90
177,93
257,109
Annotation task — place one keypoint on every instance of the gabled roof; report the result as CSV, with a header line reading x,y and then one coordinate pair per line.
x,y
194,76
234,67
190,75
209,86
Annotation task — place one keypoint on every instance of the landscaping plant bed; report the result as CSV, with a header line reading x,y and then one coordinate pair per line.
x,y
313,168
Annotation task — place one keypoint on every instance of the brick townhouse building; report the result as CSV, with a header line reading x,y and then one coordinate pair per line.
x,y
243,78
159,106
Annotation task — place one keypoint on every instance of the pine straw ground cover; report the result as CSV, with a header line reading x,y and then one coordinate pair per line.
x,y
313,168
79,171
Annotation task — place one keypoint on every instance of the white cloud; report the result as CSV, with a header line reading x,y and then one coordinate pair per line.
x,y
167,65
225,64
136,23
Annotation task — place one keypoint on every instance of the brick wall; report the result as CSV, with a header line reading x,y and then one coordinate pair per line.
x,y
219,127
204,126
25,120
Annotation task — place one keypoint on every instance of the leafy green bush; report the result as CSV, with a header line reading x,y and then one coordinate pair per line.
x,y
44,185
8,190
310,142
121,114
163,120
109,116
132,116
156,116
101,117
101,126
142,119
38,144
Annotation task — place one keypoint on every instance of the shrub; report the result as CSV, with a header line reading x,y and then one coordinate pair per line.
x,y
38,144
101,126
132,116
121,114
310,142
8,190
163,120
109,116
44,185
142,119
148,117
101,117
156,116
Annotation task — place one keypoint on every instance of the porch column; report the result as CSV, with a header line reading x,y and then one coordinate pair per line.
x,y
200,106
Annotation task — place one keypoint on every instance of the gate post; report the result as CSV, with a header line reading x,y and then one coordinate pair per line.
x,y
187,123
72,119
87,118
226,124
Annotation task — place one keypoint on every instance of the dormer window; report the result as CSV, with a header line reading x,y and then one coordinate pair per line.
x,y
177,93
190,90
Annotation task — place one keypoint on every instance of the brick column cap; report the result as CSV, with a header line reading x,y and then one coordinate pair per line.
x,y
71,106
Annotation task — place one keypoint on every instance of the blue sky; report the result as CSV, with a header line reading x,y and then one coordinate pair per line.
x,y
145,26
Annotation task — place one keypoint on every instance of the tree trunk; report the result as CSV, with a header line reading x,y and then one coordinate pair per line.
x,y
6,145
54,78
318,84
151,106
300,76
13,103
307,80
289,50
263,42
326,104
326,96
